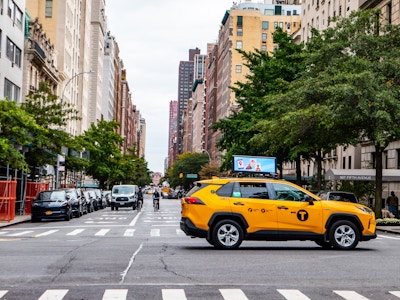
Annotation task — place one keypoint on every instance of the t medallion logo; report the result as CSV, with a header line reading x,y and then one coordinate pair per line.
x,y
302,215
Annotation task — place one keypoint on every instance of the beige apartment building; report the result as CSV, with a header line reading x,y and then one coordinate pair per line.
x,y
247,26
64,23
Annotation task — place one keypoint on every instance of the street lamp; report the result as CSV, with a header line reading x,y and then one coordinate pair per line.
x,y
69,80
209,156
57,175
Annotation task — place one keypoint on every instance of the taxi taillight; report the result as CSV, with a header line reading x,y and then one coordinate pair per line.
x,y
193,200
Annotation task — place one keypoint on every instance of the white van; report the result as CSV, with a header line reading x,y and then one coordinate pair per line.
x,y
124,195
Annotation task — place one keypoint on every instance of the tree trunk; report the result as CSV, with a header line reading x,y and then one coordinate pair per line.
x,y
319,169
298,170
378,181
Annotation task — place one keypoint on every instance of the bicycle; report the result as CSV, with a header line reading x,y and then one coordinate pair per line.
x,y
139,205
156,204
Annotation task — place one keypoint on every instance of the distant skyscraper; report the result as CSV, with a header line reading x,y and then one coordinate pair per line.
x,y
185,83
172,132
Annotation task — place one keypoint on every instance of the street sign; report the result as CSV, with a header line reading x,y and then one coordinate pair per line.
x,y
191,175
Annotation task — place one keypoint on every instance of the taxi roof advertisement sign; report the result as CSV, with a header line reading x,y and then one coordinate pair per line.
x,y
253,164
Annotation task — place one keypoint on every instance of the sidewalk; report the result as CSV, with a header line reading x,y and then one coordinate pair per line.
x,y
27,218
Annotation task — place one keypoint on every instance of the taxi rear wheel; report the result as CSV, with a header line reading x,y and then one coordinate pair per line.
x,y
344,235
227,234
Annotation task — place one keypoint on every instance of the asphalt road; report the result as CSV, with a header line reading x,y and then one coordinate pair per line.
x,y
129,255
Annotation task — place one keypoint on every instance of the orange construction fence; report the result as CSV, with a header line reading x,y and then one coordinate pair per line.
x,y
8,197
32,189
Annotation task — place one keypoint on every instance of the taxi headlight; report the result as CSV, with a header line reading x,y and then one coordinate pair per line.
x,y
365,209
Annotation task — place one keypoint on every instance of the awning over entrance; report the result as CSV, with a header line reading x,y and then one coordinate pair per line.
x,y
388,175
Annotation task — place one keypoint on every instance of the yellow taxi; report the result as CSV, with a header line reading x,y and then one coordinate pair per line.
x,y
226,211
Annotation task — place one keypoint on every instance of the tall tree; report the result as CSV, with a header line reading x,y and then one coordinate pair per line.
x,y
16,126
49,113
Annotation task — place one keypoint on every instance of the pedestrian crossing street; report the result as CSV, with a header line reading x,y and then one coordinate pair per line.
x,y
96,232
180,294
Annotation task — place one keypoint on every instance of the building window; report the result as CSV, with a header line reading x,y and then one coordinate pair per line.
x,y
11,91
239,32
239,21
263,48
275,25
269,12
281,25
278,10
239,44
13,53
238,68
343,162
389,12
14,13
398,158
349,162
265,25
49,9
263,37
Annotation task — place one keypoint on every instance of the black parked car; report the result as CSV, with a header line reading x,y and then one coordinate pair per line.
x,y
90,200
78,206
102,203
54,204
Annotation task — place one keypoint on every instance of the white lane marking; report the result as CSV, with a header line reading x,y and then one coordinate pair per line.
x,y
2,293
21,233
155,232
389,237
53,295
180,232
233,294
102,232
135,219
395,293
129,232
46,233
3,232
293,295
350,295
173,294
115,294
123,274
76,232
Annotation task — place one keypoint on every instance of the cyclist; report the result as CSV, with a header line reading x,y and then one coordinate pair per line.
x,y
156,200
140,199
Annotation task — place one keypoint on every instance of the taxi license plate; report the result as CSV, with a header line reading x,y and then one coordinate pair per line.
x,y
48,212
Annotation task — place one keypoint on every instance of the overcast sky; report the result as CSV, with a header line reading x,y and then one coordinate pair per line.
x,y
153,37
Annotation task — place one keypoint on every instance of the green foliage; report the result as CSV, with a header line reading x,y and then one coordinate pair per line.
x,y
16,126
49,114
187,163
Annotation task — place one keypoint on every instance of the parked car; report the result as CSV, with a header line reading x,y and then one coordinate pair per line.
x,y
107,197
76,202
84,201
124,196
101,203
90,200
53,204
338,196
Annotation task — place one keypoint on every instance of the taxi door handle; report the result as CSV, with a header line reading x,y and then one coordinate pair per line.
x,y
238,203
283,207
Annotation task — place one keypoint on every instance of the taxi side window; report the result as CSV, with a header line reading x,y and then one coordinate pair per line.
x,y
225,190
252,190
288,192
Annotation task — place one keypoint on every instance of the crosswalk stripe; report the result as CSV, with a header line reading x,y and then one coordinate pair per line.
x,y
3,232
233,294
155,232
76,232
102,232
350,295
395,293
129,232
21,233
2,293
293,295
173,294
180,232
53,295
115,294
46,233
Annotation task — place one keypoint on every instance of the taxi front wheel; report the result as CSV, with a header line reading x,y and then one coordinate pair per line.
x,y
344,235
227,234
